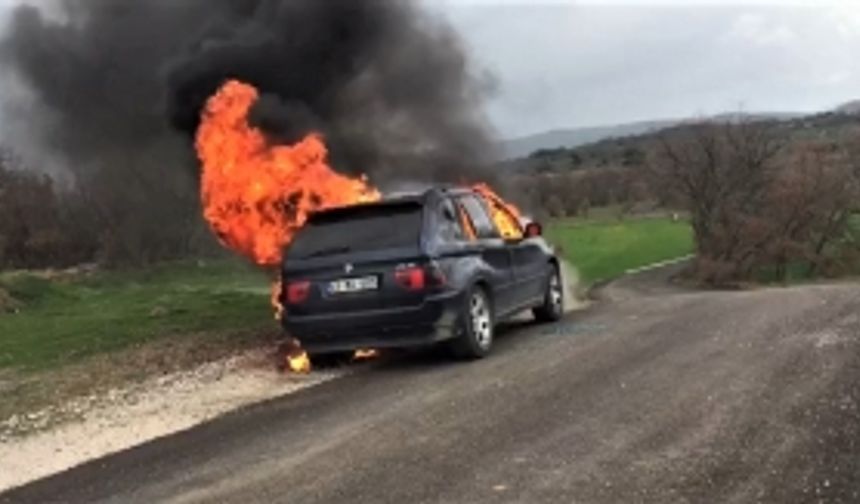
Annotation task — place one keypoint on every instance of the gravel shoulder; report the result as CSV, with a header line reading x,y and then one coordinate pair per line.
x,y
46,441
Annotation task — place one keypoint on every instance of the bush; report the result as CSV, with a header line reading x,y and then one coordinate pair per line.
x,y
758,203
99,219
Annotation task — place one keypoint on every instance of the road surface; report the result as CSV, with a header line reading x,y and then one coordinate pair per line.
x,y
651,395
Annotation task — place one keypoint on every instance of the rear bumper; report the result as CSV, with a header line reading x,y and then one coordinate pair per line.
x,y
433,321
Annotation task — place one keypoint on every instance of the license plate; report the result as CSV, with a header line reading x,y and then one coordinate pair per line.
x,y
349,285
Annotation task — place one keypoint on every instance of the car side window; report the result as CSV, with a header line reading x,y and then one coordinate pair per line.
x,y
450,229
466,223
484,227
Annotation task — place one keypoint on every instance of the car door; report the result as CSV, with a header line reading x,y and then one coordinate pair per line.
x,y
494,251
530,268
528,257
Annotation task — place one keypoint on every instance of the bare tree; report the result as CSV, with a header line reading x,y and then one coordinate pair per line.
x,y
812,202
722,172
757,202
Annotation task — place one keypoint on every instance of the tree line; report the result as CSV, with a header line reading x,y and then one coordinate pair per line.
x,y
762,201
46,223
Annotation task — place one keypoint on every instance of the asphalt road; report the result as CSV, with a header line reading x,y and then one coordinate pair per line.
x,y
651,395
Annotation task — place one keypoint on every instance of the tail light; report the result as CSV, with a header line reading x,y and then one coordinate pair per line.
x,y
415,278
410,278
297,292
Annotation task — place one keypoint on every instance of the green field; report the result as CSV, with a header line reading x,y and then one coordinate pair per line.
x,y
606,248
59,319
54,319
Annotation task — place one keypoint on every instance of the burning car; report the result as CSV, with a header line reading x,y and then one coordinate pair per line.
x,y
445,265
358,271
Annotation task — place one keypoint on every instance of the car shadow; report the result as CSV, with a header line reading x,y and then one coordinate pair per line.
x,y
510,335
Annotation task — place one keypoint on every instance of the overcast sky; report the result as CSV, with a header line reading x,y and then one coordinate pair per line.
x,y
567,64
563,64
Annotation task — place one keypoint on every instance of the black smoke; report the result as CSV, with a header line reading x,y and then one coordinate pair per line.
x,y
389,86
116,88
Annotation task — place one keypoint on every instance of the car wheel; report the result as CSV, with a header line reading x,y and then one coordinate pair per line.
x,y
478,326
552,308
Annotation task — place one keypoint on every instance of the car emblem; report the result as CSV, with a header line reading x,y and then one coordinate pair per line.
x,y
348,267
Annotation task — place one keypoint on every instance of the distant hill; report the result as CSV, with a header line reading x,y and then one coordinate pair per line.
x,y
630,150
852,108
575,137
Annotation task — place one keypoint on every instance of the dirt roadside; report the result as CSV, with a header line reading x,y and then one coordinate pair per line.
x,y
40,442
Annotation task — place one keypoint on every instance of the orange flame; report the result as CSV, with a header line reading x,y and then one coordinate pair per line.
x,y
276,300
257,195
299,362
365,354
506,216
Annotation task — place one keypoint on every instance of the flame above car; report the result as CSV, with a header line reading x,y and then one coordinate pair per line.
x,y
256,194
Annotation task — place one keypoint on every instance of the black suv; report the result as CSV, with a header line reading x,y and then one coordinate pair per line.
x,y
413,271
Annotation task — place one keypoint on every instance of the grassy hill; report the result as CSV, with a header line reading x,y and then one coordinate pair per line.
x,y
624,146
574,137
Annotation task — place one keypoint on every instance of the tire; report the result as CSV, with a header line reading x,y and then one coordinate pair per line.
x,y
477,326
552,308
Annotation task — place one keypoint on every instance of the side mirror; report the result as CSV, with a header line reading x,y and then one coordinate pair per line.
x,y
533,230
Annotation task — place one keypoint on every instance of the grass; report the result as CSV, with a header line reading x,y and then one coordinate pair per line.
x,y
604,248
64,319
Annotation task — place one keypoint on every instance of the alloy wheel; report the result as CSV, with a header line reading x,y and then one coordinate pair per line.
x,y
481,319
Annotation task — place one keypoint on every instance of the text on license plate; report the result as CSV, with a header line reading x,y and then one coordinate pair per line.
x,y
348,285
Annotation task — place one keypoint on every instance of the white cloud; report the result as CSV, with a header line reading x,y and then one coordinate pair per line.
x,y
758,30
578,64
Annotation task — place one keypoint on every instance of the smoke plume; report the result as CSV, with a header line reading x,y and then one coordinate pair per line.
x,y
111,91
118,86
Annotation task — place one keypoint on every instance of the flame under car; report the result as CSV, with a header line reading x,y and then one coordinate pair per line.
x,y
415,271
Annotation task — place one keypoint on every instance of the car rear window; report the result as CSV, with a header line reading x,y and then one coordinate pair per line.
x,y
359,228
